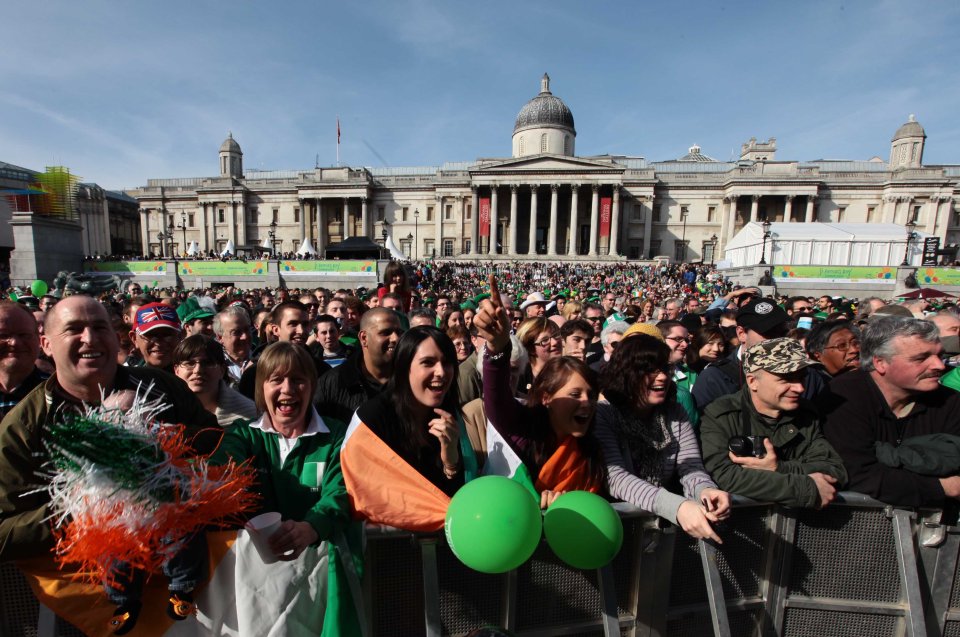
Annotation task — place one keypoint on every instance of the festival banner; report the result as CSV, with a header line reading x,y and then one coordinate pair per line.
x,y
836,274
158,268
606,204
222,268
485,216
329,268
938,276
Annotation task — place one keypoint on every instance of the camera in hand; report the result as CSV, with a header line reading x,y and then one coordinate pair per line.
x,y
747,446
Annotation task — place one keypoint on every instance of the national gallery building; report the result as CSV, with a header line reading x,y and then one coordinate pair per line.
x,y
545,202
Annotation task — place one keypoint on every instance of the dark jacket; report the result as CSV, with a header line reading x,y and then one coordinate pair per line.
x,y
857,416
345,388
23,530
796,436
726,377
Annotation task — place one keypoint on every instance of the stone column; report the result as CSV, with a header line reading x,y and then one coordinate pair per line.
x,y
647,229
303,221
931,208
532,247
594,219
145,231
788,209
233,223
808,213
908,212
615,223
475,223
513,221
574,222
438,225
754,208
345,226
945,213
241,222
364,220
552,231
732,218
494,220
889,208
459,217
322,238
205,235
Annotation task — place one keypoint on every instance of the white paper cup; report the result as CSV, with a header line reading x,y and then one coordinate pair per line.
x,y
260,529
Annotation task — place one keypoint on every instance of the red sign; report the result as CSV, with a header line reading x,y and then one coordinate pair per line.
x,y
485,216
606,204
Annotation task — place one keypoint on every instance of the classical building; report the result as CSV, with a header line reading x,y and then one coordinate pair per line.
x,y
546,202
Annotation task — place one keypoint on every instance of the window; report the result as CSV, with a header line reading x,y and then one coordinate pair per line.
x,y
428,248
656,214
680,251
638,212
654,248
916,214
684,212
706,250
406,246
381,213
276,215
566,144
220,215
466,246
871,214
841,212
448,247
711,214
521,149
429,213
448,212
254,212
469,210
296,244
403,217
190,219
296,214
543,143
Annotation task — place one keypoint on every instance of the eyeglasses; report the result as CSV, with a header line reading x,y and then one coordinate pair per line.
x,y
166,337
594,319
846,345
543,342
193,364
678,339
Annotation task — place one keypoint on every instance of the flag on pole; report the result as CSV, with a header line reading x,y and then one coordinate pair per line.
x,y
338,130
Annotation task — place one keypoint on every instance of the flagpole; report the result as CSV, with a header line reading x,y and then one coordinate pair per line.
x,y
338,140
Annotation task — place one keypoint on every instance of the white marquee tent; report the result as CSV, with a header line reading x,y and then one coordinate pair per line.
x,y
306,248
395,252
876,244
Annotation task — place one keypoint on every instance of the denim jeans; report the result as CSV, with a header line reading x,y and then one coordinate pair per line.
x,y
184,570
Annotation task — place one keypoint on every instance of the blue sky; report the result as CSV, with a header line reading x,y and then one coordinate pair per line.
x,y
125,91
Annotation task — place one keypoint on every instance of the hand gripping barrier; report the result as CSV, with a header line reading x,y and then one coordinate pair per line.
x,y
857,568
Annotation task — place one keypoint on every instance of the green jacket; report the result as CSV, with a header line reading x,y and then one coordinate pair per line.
x,y
291,490
799,442
24,532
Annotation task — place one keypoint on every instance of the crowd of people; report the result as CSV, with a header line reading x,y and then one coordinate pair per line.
x,y
662,386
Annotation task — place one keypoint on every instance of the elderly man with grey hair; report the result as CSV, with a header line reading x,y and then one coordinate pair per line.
x,y
231,327
609,337
890,404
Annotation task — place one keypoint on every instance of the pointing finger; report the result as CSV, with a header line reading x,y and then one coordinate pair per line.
x,y
494,291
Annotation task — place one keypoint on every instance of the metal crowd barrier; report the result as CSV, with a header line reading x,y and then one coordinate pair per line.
x,y
858,567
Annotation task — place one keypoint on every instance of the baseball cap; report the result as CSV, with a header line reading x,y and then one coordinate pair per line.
x,y
155,315
762,316
777,355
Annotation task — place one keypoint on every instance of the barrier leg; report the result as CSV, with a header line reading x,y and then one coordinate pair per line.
x,y
715,596
653,598
608,600
909,577
46,622
431,588
782,532
940,565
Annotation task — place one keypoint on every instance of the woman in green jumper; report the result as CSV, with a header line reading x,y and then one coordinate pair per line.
x,y
297,456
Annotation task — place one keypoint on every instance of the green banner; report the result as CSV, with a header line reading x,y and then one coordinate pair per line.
x,y
938,276
835,274
330,268
133,267
222,268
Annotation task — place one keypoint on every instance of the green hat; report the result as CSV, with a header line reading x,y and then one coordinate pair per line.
x,y
468,305
480,297
190,310
613,318
593,299
777,355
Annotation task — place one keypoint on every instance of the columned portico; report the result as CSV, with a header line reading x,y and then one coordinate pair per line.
x,y
532,245
513,220
552,233
594,219
574,221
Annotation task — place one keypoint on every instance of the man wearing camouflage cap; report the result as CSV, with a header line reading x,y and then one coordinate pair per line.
x,y
798,467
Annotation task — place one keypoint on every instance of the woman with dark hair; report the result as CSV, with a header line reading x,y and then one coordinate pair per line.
x,y
548,442
411,438
453,317
708,346
395,280
201,363
648,442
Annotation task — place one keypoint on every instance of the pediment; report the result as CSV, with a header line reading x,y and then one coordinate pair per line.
x,y
545,163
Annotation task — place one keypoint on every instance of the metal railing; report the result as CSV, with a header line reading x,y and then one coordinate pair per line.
x,y
858,567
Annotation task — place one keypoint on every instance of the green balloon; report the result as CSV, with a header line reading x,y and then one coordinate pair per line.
x,y
583,530
39,288
493,524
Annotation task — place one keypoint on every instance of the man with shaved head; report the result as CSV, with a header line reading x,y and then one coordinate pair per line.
x,y
79,337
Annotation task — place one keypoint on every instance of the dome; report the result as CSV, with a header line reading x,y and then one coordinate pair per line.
x,y
230,145
546,109
911,129
696,155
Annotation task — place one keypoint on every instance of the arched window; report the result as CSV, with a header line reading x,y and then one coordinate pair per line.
x,y
566,144
521,145
543,142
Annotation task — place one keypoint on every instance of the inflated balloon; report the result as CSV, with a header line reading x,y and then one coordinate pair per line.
x,y
493,524
583,530
39,288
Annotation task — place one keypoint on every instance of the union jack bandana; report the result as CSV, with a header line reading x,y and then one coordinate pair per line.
x,y
156,315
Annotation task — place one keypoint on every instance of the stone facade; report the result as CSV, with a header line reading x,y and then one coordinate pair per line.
x,y
551,204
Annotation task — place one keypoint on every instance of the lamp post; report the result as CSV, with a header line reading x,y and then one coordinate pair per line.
x,y
410,243
911,235
183,228
273,238
416,220
766,235
683,237
713,249
383,233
